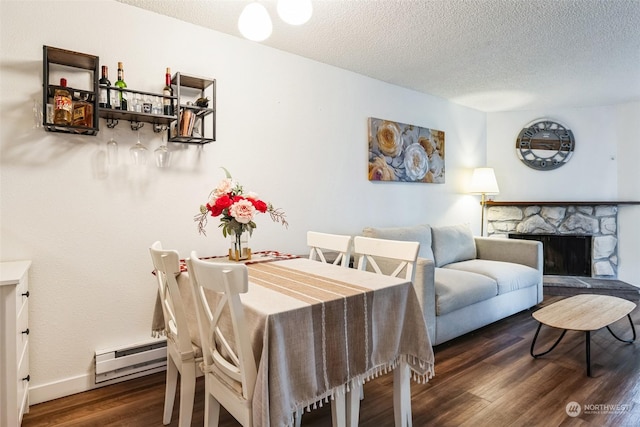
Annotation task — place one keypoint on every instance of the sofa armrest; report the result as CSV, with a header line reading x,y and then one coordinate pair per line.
x,y
519,251
526,252
424,284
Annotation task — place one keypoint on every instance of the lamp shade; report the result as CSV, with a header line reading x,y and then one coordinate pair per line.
x,y
483,181
254,22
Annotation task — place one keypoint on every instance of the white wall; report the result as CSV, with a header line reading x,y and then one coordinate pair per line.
x,y
604,167
628,138
293,130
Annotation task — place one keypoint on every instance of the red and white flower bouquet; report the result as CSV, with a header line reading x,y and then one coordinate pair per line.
x,y
236,209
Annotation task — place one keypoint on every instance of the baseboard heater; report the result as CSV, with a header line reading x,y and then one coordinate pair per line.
x,y
124,363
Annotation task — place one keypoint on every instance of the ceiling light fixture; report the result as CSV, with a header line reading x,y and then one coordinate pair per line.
x,y
295,12
254,22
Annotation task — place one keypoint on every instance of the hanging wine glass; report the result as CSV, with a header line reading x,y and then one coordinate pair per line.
x,y
162,153
139,153
112,150
37,113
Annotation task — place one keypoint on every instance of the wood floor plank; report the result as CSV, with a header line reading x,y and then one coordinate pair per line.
x,y
485,378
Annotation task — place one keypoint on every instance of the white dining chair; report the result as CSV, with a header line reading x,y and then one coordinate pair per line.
x,y
373,252
389,257
319,243
183,356
228,360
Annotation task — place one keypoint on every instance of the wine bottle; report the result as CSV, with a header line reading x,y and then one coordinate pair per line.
x,y
105,92
167,103
63,104
121,85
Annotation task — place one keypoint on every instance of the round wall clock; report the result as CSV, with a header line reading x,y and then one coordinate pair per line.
x,y
545,144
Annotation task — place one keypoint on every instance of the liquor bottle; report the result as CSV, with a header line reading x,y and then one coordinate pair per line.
x,y
83,112
122,96
105,92
63,104
167,103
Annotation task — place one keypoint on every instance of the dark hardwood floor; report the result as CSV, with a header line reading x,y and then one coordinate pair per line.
x,y
486,378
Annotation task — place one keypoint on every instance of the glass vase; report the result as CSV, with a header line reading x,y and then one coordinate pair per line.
x,y
239,249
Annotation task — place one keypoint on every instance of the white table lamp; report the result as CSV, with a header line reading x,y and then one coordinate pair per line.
x,y
483,181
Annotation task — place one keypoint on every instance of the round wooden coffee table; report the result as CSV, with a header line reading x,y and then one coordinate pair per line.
x,y
585,312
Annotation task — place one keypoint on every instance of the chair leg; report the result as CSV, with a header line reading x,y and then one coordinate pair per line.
x,y
353,406
187,392
171,383
402,395
338,409
211,410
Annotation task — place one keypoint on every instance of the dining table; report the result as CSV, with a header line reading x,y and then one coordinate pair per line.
x,y
319,331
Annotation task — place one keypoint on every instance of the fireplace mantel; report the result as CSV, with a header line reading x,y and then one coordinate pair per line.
x,y
596,219
562,203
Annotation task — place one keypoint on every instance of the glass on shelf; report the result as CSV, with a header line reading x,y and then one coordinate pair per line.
x,y
146,105
37,113
135,104
157,106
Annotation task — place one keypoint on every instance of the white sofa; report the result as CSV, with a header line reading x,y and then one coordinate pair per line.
x,y
465,282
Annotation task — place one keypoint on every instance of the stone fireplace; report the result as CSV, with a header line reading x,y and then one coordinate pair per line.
x,y
564,255
596,223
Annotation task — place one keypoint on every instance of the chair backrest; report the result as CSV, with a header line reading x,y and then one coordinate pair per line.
x,y
166,264
226,346
403,253
320,242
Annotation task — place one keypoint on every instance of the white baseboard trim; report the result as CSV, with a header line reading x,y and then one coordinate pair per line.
x,y
54,390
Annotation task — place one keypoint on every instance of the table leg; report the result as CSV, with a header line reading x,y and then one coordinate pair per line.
x,y
588,341
535,337
633,329
402,395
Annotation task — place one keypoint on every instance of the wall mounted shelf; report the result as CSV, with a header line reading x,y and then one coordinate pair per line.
x,y
78,63
189,88
160,121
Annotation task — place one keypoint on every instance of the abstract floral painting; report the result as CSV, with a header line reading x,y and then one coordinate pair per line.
x,y
406,153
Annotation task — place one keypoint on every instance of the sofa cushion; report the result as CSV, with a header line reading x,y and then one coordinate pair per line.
x,y
452,243
509,276
456,289
416,233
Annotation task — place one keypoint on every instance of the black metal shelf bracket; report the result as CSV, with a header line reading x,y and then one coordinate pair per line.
x,y
157,128
136,125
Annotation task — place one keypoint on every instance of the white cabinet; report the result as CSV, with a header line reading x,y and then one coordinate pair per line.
x,y
14,342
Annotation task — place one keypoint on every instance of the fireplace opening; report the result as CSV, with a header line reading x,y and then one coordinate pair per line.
x,y
564,255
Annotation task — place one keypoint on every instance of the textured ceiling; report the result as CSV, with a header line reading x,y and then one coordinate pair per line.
x,y
491,55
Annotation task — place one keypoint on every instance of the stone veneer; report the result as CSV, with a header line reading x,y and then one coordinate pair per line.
x,y
599,221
